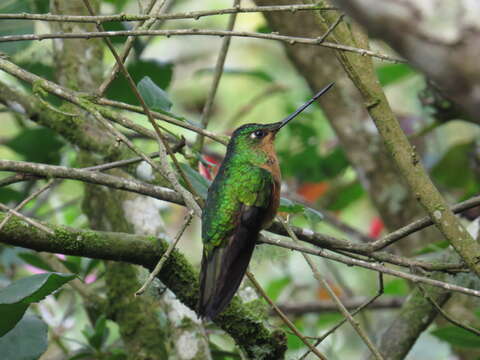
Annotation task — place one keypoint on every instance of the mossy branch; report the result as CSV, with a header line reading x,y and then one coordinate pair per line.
x,y
177,274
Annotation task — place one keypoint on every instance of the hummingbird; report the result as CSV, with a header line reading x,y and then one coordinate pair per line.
x,y
242,200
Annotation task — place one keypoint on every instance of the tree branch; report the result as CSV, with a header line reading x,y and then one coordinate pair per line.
x,y
177,274
292,40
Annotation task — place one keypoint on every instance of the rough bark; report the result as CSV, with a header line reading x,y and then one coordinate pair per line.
x,y
441,38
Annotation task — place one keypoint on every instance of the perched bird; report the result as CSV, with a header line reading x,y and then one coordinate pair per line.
x,y
241,201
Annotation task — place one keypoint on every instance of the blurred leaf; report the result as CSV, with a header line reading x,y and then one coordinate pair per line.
x,y
154,97
83,354
396,287
15,27
116,26
119,4
259,74
276,286
159,72
7,195
314,216
334,163
457,336
347,196
306,163
15,298
199,183
38,144
264,29
293,341
436,246
38,68
289,206
9,256
27,341
390,73
99,334
454,168
33,259
73,263
91,265
41,6
329,318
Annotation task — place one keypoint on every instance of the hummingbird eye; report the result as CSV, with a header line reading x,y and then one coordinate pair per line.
x,y
258,134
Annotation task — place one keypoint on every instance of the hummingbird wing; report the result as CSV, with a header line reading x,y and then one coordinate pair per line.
x,y
230,229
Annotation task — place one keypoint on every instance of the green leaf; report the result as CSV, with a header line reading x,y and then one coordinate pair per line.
x,y
290,207
436,246
99,334
154,97
347,196
41,6
294,208
73,263
7,195
199,183
39,144
455,162
159,72
33,259
259,74
116,26
119,4
27,340
15,27
457,336
396,287
275,287
15,298
390,73
314,216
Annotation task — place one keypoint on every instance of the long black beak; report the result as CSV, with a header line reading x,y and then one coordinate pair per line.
x,y
303,107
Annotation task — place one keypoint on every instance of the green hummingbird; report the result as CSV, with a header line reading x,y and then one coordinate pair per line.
x,y
242,200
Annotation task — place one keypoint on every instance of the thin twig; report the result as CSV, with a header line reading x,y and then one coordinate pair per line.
x,y
156,115
336,299
331,28
145,25
292,40
25,202
285,319
165,256
27,219
255,101
319,307
185,15
217,75
446,316
164,148
373,266
344,320
93,177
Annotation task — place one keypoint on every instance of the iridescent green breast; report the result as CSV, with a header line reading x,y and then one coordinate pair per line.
x,y
235,186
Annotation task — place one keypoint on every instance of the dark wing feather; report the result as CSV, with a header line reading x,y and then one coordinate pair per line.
x,y
224,267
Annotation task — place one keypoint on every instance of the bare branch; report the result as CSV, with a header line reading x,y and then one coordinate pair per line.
x,y
218,72
186,15
292,40
93,177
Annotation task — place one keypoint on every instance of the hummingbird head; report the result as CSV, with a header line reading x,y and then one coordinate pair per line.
x,y
255,141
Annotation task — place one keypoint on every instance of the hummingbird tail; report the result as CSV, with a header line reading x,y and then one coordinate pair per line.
x,y
223,270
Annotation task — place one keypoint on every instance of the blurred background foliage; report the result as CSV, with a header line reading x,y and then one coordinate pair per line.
x,y
259,84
